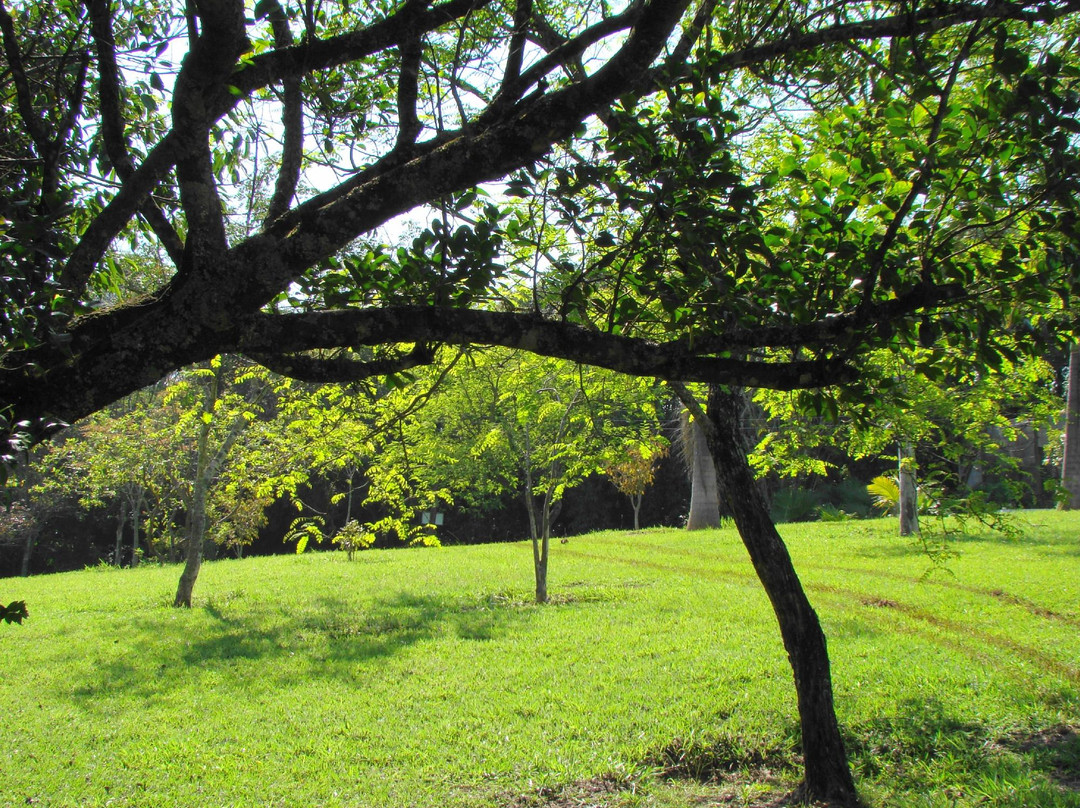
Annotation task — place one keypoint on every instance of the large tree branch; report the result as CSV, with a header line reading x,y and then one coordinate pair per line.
x,y
318,228
112,125
292,119
204,71
263,71
268,333
341,368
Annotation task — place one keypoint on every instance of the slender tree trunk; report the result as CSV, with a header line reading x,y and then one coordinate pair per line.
x,y
827,775
909,491
136,508
635,500
1070,463
120,523
28,550
540,568
348,499
193,555
704,499
206,470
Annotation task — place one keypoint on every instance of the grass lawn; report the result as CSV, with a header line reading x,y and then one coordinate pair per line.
x,y
426,677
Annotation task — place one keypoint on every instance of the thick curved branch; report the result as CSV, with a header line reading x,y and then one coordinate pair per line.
x,y
267,333
207,65
319,228
836,331
340,369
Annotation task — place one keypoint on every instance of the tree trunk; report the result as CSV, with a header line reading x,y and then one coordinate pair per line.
x,y
1070,463
704,499
193,555
136,507
540,568
827,775
909,491
635,500
121,522
28,550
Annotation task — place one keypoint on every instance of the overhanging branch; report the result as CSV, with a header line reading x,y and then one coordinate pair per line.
x,y
264,333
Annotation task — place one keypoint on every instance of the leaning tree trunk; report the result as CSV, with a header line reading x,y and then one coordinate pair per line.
x,y
704,499
827,775
909,491
1070,463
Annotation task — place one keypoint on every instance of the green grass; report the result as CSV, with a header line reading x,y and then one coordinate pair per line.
x,y
426,678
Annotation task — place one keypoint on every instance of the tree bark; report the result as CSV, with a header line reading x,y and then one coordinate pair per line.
x,y
193,554
1070,463
120,524
827,775
704,497
136,527
540,567
909,491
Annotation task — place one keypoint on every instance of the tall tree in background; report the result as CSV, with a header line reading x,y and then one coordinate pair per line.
x,y
704,493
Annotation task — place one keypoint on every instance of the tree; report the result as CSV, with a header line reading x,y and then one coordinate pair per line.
x,y
960,426
704,494
506,423
633,473
753,195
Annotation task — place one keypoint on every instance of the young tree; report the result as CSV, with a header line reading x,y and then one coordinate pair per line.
x,y
506,423
633,473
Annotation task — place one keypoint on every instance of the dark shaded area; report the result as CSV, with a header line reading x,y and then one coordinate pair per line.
x,y
335,635
74,537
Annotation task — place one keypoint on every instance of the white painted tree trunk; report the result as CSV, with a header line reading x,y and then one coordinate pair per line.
x,y
704,497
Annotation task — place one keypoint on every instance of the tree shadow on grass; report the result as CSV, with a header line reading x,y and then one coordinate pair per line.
x,y
325,638
923,743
